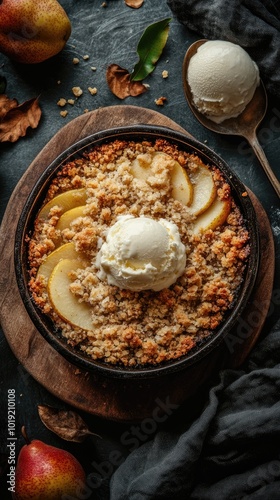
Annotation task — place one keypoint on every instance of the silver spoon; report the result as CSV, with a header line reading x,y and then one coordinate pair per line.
x,y
244,125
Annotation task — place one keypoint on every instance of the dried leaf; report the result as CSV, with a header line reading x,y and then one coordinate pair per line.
x,y
5,105
120,84
135,4
67,424
17,120
149,49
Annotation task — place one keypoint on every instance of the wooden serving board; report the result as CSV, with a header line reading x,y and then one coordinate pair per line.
x,y
115,399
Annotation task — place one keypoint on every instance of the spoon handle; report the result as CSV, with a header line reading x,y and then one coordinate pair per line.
x,y
264,162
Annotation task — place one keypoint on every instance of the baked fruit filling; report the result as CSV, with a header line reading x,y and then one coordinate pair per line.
x,y
138,252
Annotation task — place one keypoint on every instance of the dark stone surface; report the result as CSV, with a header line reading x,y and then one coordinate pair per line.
x,y
110,35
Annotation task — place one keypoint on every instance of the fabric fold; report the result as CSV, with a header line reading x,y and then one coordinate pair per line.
x,y
165,467
230,451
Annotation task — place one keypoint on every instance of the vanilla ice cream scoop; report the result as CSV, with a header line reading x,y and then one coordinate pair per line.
x,y
141,253
222,78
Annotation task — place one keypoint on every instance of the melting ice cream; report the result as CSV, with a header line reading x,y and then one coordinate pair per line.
x,y
141,253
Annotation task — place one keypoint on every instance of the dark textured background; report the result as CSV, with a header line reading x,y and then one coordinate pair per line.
x,y
110,35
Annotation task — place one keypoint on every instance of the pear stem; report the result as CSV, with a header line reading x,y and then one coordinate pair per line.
x,y
24,433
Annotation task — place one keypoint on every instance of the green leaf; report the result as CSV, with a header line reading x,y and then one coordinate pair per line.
x,y
3,83
149,49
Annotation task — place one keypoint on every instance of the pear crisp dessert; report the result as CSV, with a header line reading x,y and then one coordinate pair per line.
x,y
138,252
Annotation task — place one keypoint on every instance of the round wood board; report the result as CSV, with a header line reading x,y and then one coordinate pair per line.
x,y
115,399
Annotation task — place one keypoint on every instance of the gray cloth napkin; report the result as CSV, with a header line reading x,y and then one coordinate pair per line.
x,y
228,450
253,24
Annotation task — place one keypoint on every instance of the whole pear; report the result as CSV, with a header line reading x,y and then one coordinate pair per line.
x,y
45,472
32,31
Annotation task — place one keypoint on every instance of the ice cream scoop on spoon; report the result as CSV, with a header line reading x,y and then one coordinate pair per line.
x,y
216,109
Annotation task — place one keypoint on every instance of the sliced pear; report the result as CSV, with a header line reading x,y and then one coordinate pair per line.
x,y
180,181
67,217
67,200
204,190
66,251
214,216
182,187
62,299
141,168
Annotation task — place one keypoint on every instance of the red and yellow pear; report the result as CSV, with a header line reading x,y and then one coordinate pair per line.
x,y
45,472
32,31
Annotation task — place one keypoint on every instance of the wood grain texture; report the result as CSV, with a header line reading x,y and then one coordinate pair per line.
x,y
119,400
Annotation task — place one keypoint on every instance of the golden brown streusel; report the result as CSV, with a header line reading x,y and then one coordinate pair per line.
x,y
160,101
77,91
136,328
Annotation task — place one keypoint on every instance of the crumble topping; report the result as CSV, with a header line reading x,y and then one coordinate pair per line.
x,y
140,328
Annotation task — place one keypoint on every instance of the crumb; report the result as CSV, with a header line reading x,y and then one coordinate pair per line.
x,y
86,57
76,60
104,4
244,194
61,102
63,113
93,68
58,82
86,110
164,74
160,101
92,90
77,91
71,101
